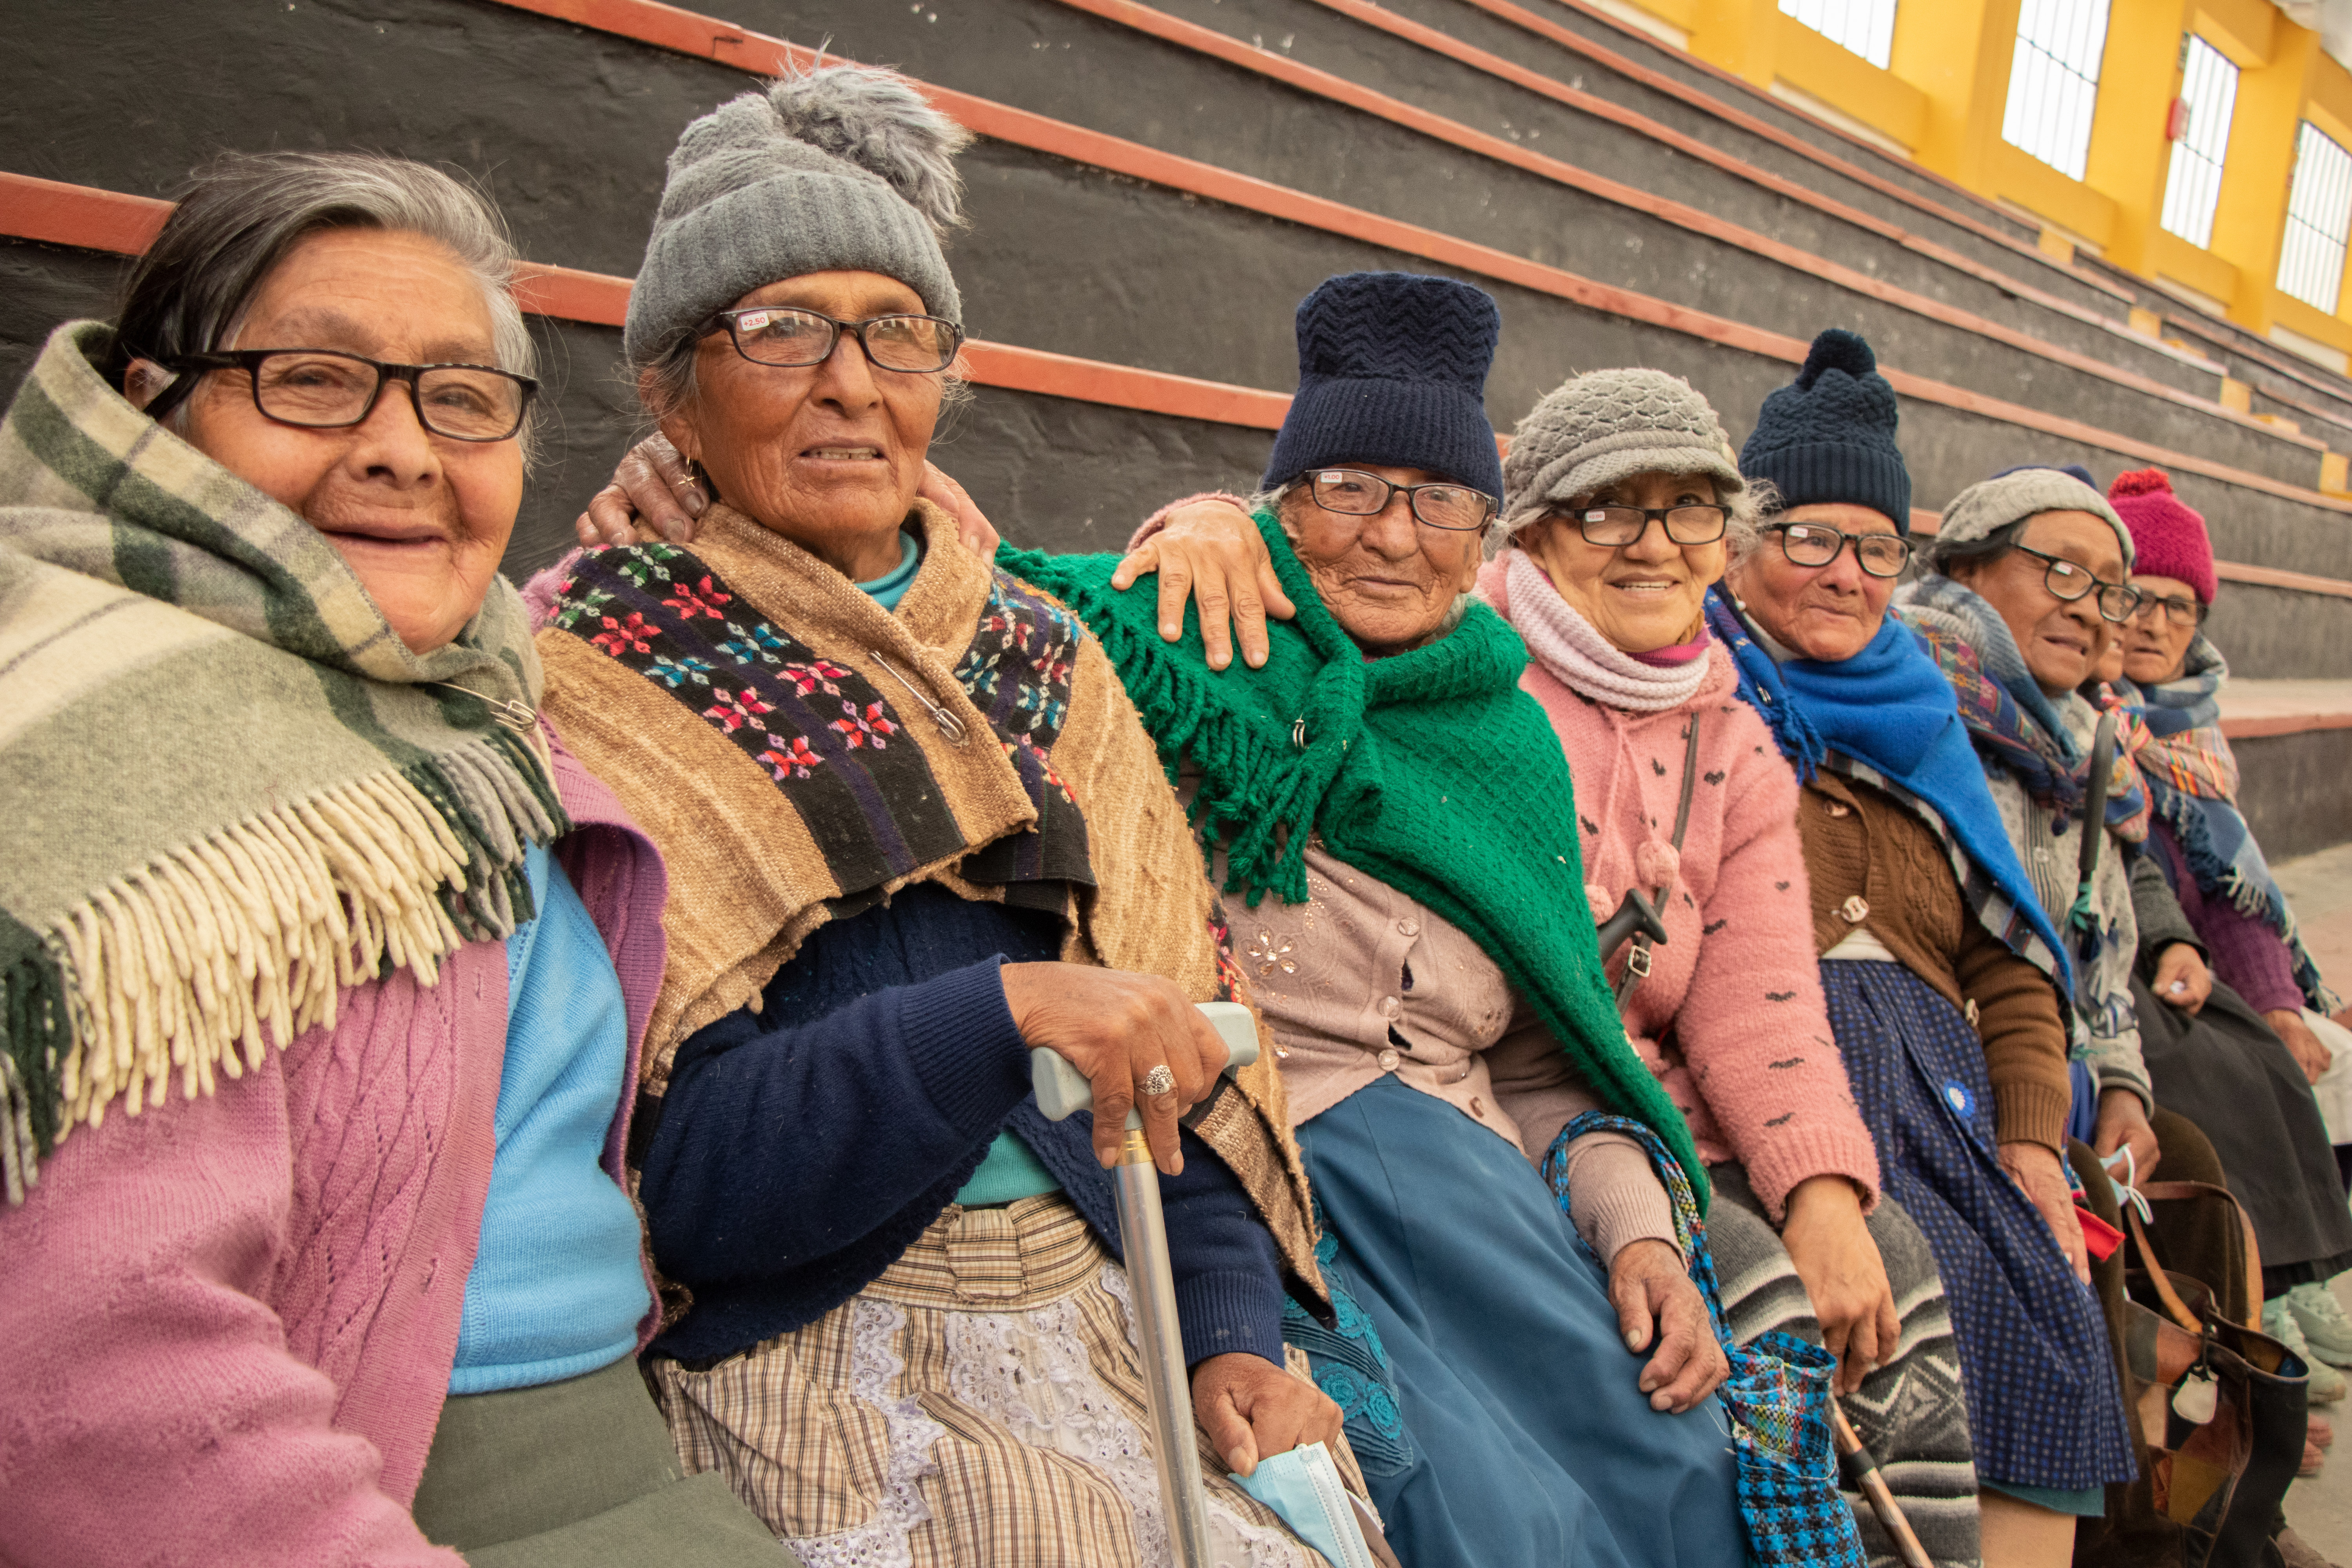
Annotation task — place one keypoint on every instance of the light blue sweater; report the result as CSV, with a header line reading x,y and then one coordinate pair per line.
x,y
1011,1169
557,1288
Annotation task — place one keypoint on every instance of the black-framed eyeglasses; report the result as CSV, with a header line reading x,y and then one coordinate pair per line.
x,y
2067,582
327,389
1818,544
2180,612
1615,527
772,335
1351,492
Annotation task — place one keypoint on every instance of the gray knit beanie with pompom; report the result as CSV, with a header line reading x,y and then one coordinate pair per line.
x,y
1606,426
845,168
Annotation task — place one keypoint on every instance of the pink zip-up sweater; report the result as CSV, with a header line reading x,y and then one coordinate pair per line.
x,y
230,1322
1731,1017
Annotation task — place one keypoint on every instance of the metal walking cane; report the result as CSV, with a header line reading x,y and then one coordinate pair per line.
x,y
1144,1237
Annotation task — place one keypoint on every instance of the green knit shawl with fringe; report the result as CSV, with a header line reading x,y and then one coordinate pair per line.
x,y
1429,770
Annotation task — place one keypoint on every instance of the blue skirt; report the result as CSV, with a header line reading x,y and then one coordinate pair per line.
x,y
1490,1400
2043,1408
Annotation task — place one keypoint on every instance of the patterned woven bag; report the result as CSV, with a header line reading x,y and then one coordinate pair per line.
x,y
1777,1395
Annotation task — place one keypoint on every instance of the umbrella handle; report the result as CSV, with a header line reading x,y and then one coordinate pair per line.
x,y
1063,1091
1862,1468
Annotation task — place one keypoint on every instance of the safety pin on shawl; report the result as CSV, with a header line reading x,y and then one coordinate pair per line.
x,y
949,725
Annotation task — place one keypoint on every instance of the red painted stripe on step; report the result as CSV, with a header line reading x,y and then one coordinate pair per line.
x,y
1113,154
2283,724
1659,81
1340,90
93,219
1110,152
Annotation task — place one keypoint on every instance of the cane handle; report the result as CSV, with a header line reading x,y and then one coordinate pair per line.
x,y
1062,1089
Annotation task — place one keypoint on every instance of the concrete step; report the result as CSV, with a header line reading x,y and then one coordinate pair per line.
x,y
1173,228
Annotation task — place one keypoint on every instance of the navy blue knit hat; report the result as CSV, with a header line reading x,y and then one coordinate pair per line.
x,y
1828,436
1392,370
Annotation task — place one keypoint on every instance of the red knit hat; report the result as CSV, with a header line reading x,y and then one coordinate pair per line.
x,y
2168,537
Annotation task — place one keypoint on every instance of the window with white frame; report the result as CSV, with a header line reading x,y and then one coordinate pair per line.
x,y
2054,81
2192,189
1864,26
2318,220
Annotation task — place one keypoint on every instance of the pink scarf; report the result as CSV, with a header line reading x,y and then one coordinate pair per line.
x,y
1580,658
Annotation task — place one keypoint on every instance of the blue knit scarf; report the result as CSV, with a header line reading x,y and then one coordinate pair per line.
x,y
1890,711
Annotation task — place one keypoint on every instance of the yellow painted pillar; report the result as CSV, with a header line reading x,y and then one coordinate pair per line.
x,y
1957,53
1738,35
2252,215
2139,76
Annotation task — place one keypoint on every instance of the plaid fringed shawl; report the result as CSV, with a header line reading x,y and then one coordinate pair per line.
x,y
2192,783
2015,727
230,789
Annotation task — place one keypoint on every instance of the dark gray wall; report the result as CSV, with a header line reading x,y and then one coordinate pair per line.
x,y
2294,791
569,129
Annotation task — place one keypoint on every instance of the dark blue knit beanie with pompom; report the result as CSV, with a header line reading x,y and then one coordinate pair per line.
x,y
1828,436
1393,371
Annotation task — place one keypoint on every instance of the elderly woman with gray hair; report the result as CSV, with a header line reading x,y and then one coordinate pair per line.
x,y
323,965
1940,967
1395,807
1622,509
915,832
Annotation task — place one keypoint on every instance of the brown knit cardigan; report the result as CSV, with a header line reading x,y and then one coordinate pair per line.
x,y
1871,858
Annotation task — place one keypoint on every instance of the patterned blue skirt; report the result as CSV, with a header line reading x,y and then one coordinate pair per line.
x,y
2044,1407
1489,1399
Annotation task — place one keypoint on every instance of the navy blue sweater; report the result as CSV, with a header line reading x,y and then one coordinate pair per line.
x,y
799,1149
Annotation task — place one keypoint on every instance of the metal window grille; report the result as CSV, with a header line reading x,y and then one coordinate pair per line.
x,y
1866,28
2318,220
2192,189
2054,81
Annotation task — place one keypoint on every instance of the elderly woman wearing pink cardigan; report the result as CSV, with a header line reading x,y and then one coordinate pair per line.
x,y
1620,503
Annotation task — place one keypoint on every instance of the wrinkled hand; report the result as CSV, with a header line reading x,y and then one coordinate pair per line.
x,y
1828,1241
1252,1409
2123,1119
2182,979
2040,1175
1213,551
1656,1299
972,526
654,498
2312,1057
1115,1028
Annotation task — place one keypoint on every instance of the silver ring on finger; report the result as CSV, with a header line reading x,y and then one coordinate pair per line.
x,y
1157,1082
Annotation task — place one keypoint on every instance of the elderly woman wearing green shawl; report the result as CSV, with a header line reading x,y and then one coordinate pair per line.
x,y
1429,972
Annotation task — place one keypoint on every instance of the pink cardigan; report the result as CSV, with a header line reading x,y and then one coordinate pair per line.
x,y
231,1320
1731,1017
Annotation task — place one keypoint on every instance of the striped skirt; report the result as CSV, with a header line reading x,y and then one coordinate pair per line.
x,y
980,1402
2044,1410
1911,1412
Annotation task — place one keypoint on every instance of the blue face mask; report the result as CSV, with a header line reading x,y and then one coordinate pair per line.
x,y
1303,1487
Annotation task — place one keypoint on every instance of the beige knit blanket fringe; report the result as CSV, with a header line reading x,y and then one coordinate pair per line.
x,y
232,791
